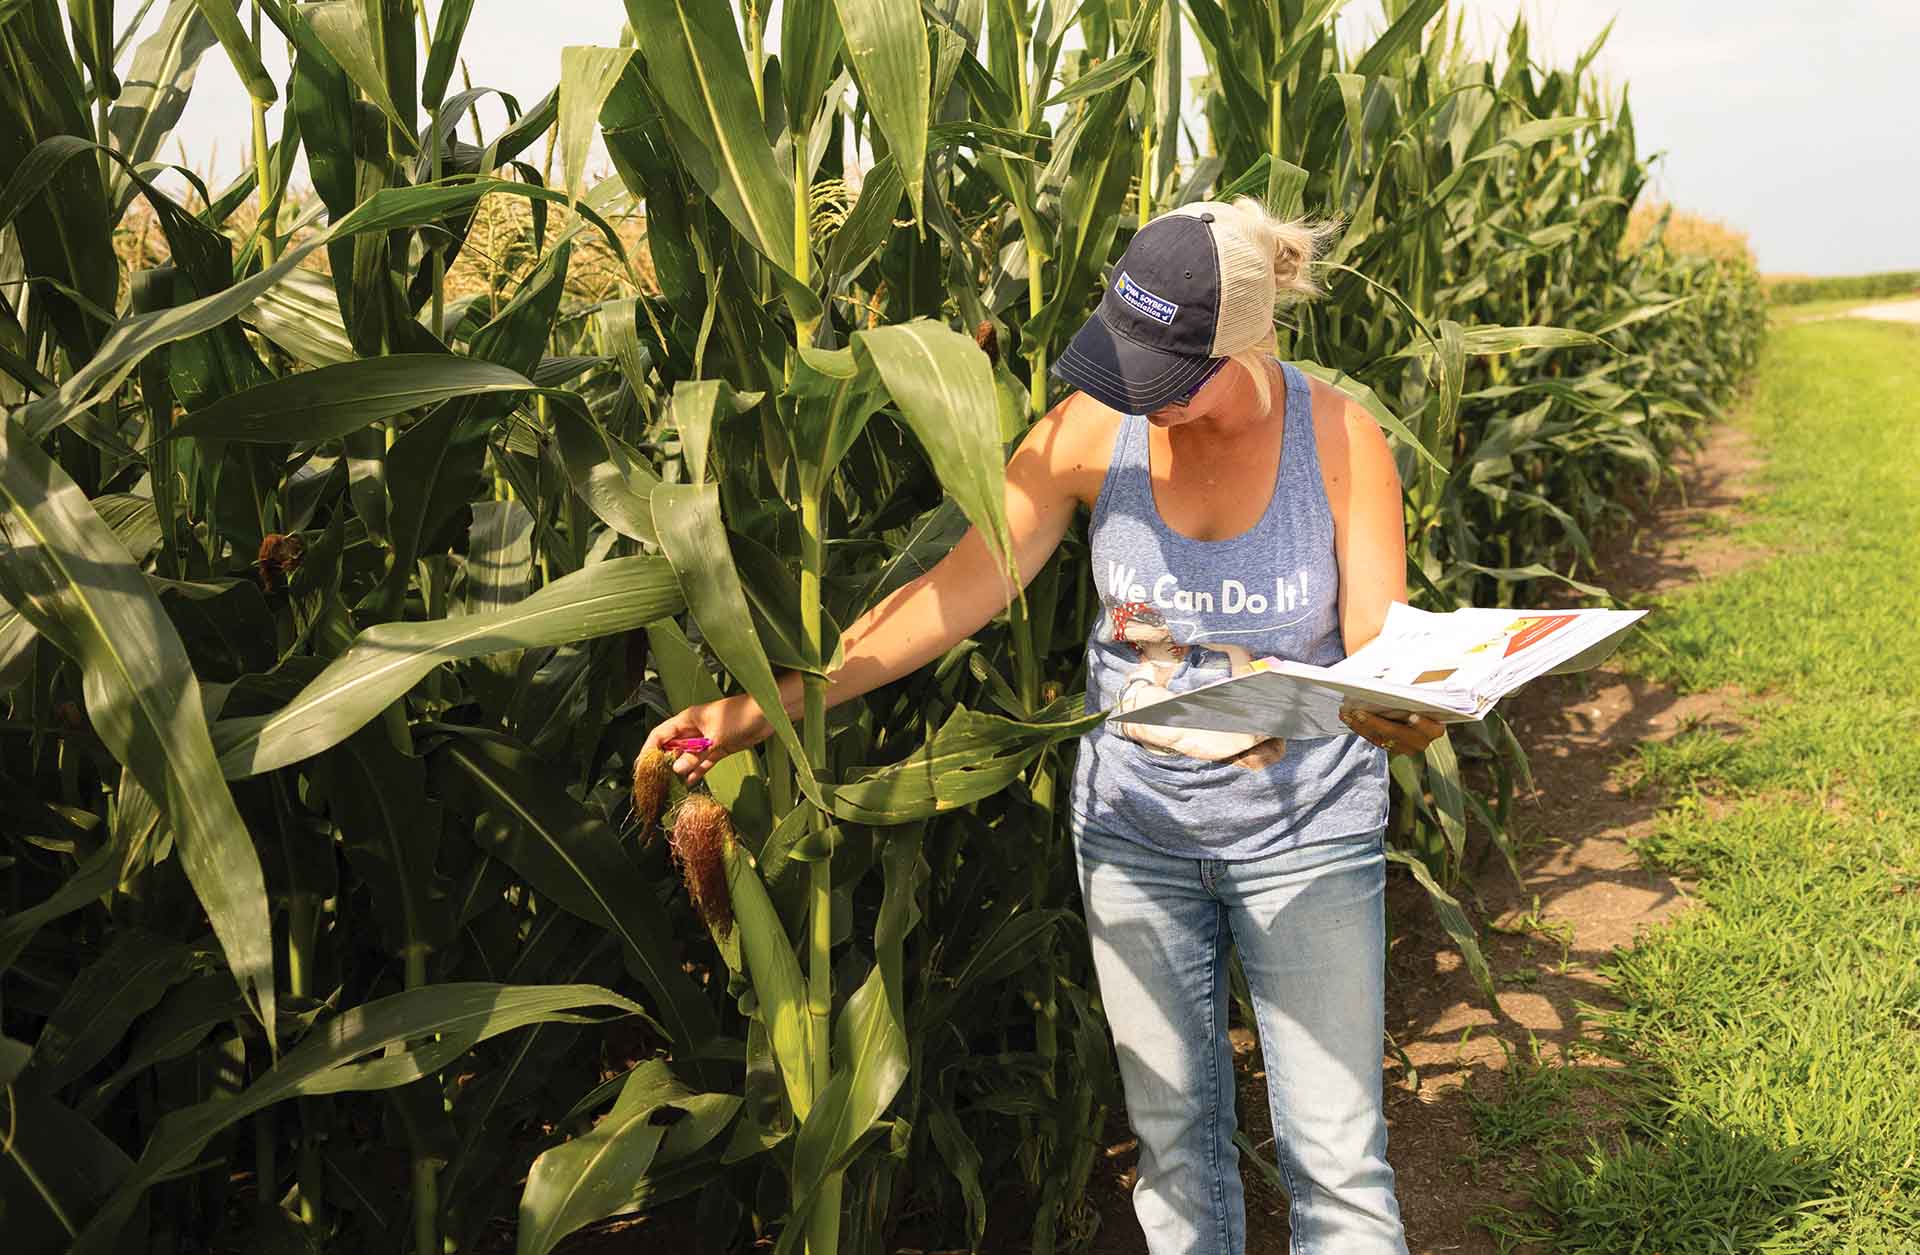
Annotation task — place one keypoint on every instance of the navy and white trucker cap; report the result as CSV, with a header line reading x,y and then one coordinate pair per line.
x,y
1190,289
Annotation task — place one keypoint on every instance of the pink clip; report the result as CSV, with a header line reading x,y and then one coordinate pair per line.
x,y
687,744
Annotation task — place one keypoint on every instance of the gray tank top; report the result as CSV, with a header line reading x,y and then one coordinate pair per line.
x,y
1176,613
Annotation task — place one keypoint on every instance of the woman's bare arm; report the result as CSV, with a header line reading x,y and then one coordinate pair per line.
x,y
1050,474
1369,545
1369,530
926,617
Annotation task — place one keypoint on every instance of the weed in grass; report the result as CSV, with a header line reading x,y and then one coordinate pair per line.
x,y
1535,1105
1679,763
1715,525
1701,1188
1536,923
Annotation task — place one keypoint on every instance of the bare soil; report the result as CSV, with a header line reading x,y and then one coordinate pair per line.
x,y
1889,311
1573,833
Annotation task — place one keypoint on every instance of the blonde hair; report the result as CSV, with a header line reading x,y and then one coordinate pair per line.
x,y
1292,246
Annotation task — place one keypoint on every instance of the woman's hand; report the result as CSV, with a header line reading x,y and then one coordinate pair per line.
x,y
1393,735
730,724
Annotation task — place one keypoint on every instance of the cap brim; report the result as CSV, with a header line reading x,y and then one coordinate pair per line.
x,y
1125,375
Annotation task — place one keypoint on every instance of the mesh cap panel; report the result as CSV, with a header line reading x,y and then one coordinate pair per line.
x,y
1247,290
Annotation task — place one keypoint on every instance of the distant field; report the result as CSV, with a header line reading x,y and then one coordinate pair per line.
x,y
1799,289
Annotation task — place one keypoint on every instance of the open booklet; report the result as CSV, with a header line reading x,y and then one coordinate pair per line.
x,y
1451,667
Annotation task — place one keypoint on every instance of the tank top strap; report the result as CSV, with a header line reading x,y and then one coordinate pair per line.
x,y
1118,481
1300,474
1132,452
1297,452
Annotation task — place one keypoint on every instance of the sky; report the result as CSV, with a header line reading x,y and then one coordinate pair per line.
x,y
1797,121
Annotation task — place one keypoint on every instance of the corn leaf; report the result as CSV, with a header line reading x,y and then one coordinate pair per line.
x,y
691,412
1109,74
886,42
1450,361
774,969
55,1167
943,388
1487,341
903,875
448,30
1528,134
588,1178
94,1012
1449,797
587,78
1245,101
421,1031
499,562
1453,919
386,660
828,402
872,1048
699,74
608,474
92,23
328,403
654,1121
1402,36
301,315
961,1159
1164,110
390,833
345,29
1538,571
972,756
69,576
224,20
571,856
810,39
869,225
686,518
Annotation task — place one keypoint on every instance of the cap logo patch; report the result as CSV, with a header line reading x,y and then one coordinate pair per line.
x,y
1141,301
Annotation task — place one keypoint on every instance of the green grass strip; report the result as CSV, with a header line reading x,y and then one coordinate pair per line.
x,y
1771,1098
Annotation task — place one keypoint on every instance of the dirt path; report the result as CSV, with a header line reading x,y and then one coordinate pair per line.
x,y
1889,311
1573,832
1903,310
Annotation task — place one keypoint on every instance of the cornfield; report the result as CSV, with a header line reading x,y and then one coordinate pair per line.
x,y
1686,233
340,597
1796,289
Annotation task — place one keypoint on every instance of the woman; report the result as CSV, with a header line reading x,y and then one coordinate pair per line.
x,y
1239,509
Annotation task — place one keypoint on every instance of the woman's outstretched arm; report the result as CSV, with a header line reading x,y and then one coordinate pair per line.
x,y
1047,478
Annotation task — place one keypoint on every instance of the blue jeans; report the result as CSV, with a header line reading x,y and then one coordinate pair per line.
x,y
1310,926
